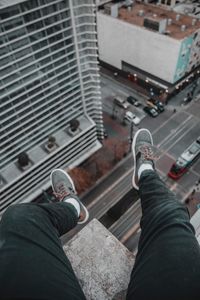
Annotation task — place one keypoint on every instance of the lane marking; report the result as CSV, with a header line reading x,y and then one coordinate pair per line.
x,y
175,132
164,123
173,187
181,136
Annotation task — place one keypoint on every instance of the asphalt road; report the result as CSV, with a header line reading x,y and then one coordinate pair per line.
x,y
130,220
106,194
172,133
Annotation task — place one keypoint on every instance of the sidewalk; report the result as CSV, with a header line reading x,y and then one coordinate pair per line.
x,y
175,101
136,88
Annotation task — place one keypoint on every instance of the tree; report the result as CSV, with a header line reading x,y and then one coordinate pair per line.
x,y
83,180
51,141
23,159
74,124
118,148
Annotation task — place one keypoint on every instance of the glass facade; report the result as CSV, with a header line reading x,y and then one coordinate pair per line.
x,y
48,71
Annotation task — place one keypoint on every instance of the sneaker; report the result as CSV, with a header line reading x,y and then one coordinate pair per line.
x,y
63,186
142,148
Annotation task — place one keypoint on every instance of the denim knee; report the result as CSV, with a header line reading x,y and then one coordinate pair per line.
x,y
15,212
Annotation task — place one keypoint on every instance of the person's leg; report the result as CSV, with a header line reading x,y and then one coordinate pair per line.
x,y
33,264
167,265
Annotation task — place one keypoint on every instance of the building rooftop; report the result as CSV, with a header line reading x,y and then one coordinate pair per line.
x,y
100,261
136,14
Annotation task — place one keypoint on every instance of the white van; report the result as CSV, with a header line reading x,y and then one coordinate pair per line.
x,y
132,118
121,102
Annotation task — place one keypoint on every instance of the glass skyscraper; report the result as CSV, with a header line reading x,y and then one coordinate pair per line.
x,y
48,77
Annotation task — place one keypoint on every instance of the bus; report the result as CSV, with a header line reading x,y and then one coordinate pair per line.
x,y
184,162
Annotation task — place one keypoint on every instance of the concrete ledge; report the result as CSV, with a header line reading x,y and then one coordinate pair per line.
x,y
195,221
101,263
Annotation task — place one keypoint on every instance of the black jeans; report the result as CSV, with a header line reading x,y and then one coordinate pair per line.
x,y
33,264
167,265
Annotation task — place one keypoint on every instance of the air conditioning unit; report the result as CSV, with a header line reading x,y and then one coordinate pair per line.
x,y
111,9
155,24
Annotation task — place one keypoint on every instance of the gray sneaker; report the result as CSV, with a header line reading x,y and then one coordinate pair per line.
x,y
63,186
142,148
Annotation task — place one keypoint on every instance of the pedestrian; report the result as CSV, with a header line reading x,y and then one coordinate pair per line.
x,y
33,264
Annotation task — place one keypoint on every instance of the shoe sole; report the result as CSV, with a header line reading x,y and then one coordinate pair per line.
x,y
134,156
86,214
72,184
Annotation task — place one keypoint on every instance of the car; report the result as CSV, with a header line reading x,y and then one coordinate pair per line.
x,y
159,105
121,102
188,98
132,100
152,105
156,104
105,133
150,111
132,118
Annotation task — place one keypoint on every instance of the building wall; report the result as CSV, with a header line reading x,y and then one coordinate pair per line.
x,y
183,58
194,59
189,55
48,76
152,52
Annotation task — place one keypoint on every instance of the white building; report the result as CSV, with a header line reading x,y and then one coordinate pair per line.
x,y
149,42
48,76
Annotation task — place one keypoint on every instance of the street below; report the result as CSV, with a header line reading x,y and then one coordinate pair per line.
x,y
172,132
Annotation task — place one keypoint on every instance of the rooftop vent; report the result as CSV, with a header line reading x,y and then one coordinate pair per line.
x,y
178,17
111,9
24,161
194,21
51,145
183,27
141,13
156,25
74,127
169,21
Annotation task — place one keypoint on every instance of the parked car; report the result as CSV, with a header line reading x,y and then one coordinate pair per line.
x,y
121,102
132,118
152,105
133,101
159,105
150,111
105,133
188,98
